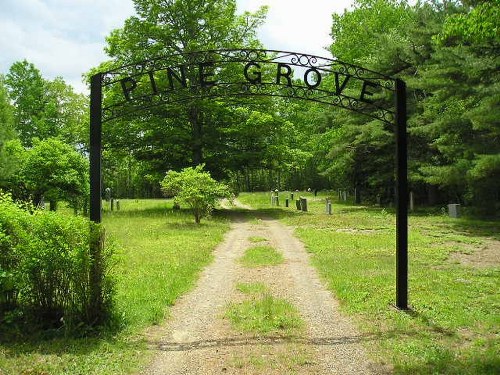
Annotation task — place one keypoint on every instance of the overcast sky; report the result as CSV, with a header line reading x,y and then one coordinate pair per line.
x,y
66,37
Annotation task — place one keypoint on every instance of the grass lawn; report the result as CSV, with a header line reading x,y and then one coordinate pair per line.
x,y
159,253
263,255
453,326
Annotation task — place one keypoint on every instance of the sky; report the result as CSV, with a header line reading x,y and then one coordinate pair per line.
x,y
67,37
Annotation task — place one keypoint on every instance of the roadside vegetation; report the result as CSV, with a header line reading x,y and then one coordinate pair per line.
x,y
158,255
452,327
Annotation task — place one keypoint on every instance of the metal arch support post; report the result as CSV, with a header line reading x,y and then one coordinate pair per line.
x,y
401,198
95,147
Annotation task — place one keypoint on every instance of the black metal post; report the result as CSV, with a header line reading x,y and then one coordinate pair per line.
x,y
401,198
95,147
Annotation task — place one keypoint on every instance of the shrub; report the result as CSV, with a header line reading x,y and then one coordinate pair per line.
x,y
196,188
14,226
47,269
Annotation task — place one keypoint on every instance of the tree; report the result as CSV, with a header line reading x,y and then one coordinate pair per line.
x,y
45,109
6,134
196,188
373,34
459,115
187,133
56,171
26,87
447,52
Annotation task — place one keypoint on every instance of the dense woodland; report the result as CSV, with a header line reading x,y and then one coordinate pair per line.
x,y
447,51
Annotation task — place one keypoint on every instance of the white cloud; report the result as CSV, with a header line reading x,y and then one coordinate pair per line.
x,y
66,37
61,37
300,26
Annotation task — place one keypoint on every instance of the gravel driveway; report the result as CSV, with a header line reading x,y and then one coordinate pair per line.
x,y
198,339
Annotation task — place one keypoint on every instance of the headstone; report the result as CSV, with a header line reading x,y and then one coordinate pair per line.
x,y
286,202
297,204
291,196
454,210
112,204
303,204
117,205
328,207
107,194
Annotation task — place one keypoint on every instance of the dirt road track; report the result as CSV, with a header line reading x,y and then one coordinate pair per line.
x,y
199,340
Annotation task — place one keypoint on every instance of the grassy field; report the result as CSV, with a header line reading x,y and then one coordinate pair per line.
x,y
453,326
159,253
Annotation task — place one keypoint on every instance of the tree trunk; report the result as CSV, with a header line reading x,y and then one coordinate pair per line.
x,y
432,195
247,179
197,134
53,205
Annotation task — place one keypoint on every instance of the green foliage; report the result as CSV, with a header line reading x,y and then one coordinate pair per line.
x,y
195,188
55,170
8,164
479,26
14,229
155,264
46,269
266,314
12,155
448,55
188,133
6,114
359,33
45,109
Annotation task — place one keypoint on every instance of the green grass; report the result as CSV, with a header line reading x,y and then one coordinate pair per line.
x,y
256,239
453,326
160,253
259,256
265,315
251,288
287,358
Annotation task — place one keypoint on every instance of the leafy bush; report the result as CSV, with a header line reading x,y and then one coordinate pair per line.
x,y
14,226
47,271
196,188
56,171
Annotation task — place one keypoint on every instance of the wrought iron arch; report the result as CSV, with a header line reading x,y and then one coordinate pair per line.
x,y
143,85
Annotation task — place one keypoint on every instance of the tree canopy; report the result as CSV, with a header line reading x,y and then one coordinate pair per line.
x,y
446,51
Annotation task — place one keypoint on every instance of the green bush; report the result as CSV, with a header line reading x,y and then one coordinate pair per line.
x,y
14,227
195,188
47,271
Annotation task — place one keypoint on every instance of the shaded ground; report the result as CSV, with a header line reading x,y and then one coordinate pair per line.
x,y
485,255
199,340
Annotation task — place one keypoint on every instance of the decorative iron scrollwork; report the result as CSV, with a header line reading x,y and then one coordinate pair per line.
x,y
218,73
